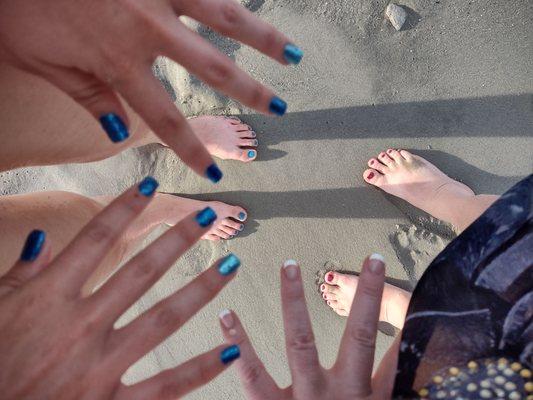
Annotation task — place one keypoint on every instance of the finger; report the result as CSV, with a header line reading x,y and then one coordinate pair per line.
x,y
149,99
177,382
98,237
35,256
218,71
383,380
356,354
146,268
233,20
96,97
255,380
138,337
299,339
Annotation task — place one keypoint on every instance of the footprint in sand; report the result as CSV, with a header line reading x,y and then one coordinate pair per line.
x,y
201,257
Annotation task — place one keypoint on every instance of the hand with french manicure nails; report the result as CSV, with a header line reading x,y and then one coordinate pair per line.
x,y
57,344
100,51
350,377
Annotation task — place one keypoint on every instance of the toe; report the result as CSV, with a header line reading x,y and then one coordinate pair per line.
x,y
248,142
377,165
330,289
228,230
211,237
333,279
234,120
247,134
221,234
243,128
385,159
341,311
373,177
332,303
405,154
249,155
229,222
238,213
395,155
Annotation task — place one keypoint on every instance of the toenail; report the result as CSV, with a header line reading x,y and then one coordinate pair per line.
x,y
323,287
324,296
389,151
371,162
251,153
241,227
255,142
242,216
252,134
329,303
370,175
329,277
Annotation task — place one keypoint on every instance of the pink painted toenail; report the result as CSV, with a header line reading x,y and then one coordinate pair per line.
x,y
323,287
372,162
329,277
390,151
329,303
370,175
324,296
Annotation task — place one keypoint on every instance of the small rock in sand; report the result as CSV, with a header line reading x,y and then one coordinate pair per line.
x,y
396,15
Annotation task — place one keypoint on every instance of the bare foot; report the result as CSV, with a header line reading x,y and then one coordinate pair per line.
x,y
419,182
339,291
230,221
227,138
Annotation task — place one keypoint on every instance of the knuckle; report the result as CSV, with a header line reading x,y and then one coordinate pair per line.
x,y
168,318
251,372
11,281
170,121
99,232
302,342
270,38
208,285
364,337
231,17
256,95
218,73
143,266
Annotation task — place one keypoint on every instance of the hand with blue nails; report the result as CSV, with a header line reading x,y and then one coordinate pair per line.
x,y
56,343
102,51
351,375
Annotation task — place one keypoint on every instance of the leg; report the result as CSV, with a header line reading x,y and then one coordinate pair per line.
x,y
339,291
419,182
61,215
42,126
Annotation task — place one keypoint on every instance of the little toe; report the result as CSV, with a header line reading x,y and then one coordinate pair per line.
x,y
373,177
332,303
377,165
248,142
228,230
385,159
405,154
395,155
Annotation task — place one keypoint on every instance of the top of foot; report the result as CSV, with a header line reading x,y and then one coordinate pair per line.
x,y
227,138
415,180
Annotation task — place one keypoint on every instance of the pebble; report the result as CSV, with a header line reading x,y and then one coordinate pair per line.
x,y
396,15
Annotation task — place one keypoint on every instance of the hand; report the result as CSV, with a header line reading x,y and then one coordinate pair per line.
x,y
96,50
56,344
350,377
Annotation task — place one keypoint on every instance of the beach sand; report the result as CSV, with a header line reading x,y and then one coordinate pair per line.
x,y
455,85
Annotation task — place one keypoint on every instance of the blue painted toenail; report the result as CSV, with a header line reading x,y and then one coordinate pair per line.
x,y
251,154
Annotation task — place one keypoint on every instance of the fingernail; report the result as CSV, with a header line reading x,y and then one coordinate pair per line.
x,y
370,175
277,106
292,54
226,318
242,216
291,269
33,246
376,263
229,264
241,227
251,153
115,128
256,143
230,354
148,186
206,217
213,173
329,277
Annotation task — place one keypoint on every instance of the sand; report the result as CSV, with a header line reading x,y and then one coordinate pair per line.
x,y
455,85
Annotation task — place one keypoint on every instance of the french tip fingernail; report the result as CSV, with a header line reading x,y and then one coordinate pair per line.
x,y
277,106
377,267
148,186
288,263
206,217
229,264
377,256
230,354
226,318
292,54
33,246
115,127
213,173
291,269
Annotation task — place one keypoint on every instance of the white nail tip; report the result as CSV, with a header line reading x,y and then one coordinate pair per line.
x,y
377,257
223,313
289,262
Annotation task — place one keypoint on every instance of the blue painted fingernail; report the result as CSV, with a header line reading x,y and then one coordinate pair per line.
x,y
229,264
213,173
206,217
33,246
230,354
115,128
293,54
277,106
242,216
148,186
251,154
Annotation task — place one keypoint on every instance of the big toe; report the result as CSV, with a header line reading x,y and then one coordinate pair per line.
x,y
374,177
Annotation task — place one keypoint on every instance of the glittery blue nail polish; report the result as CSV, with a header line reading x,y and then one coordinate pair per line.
x,y
251,153
292,54
206,217
229,264
230,354
115,128
33,246
148,186
213,173
242,216
277,106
